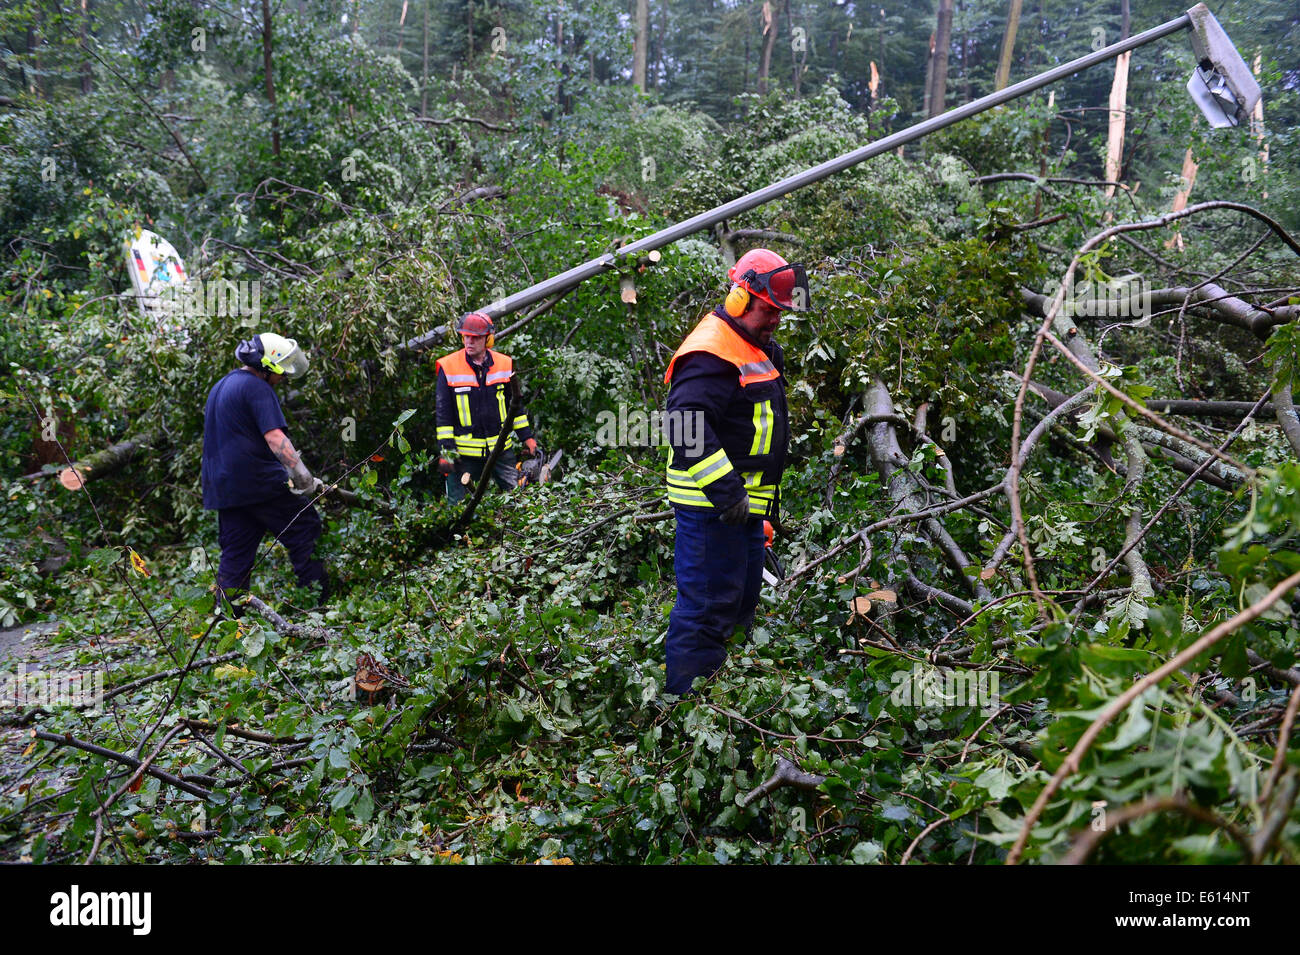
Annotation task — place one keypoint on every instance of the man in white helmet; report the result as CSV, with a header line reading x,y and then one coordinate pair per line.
x,y
246,455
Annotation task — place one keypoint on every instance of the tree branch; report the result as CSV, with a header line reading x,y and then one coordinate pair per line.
x,y
67,739
1121,702
787,774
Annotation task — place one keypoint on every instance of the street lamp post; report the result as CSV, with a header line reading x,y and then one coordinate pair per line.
x,y
1222,86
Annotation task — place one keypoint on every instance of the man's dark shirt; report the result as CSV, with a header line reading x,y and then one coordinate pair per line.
x,y
238,467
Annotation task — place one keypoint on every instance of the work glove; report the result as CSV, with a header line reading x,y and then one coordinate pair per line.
x,y
738,513
316,487
301,478
445,466
531,445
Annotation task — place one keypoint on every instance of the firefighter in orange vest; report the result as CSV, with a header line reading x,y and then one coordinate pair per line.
x,y
728,425
476,387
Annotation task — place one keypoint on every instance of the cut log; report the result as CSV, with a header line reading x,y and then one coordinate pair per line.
x,y
100,463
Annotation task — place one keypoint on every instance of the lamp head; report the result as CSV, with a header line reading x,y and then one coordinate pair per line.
x,y
1222,84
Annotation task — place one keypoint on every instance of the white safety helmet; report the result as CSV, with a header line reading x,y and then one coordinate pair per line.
x,y
274,353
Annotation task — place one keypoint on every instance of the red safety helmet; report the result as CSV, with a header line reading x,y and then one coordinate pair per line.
x,y
764,274
475,323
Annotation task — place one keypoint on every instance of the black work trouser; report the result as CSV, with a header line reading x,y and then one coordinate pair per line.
x,y
288,517
503,472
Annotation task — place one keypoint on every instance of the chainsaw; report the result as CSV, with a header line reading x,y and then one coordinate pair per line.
x,y
539,468
773,572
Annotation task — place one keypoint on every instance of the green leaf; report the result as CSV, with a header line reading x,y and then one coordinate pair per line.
x,y
1135,727
364,807
997,781
102,558
865,853
254,644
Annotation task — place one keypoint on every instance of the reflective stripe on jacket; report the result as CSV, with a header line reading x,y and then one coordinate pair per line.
x,y
473,403
727,420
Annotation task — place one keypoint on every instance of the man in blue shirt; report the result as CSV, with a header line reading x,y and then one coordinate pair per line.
x,y
246,455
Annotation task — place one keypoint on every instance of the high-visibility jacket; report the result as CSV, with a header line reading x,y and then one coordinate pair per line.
x,y
474,401
727,421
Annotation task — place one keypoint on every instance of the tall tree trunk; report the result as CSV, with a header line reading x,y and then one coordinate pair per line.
x,y
744,80
1118,110
661,44
424,64
1043,155
799,63
929,78
942,42
965,54
469,29
37,81
401,24
270,83
87,77
769,41
1008,46
1257,129
639,49
562,99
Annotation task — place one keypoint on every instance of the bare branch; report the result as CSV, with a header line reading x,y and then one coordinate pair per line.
x,y
787,774
1088,838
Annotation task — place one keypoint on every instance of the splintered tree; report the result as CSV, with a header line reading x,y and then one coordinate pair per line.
x,y
1008,45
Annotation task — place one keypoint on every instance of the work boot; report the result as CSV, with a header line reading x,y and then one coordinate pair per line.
x,y
325,588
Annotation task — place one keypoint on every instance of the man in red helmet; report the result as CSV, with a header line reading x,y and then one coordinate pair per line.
x,y
728,377
476,387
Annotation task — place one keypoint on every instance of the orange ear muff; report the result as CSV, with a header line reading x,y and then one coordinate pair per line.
x,y
736,302
492,340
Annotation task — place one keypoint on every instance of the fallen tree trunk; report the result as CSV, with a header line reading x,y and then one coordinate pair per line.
x,y
117,456
99,464
904,489
1208,297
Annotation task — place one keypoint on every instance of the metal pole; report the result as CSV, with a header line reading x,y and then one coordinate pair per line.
x,y
567,280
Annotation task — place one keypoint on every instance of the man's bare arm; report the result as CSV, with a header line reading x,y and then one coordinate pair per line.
x,y
287,455
282,448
